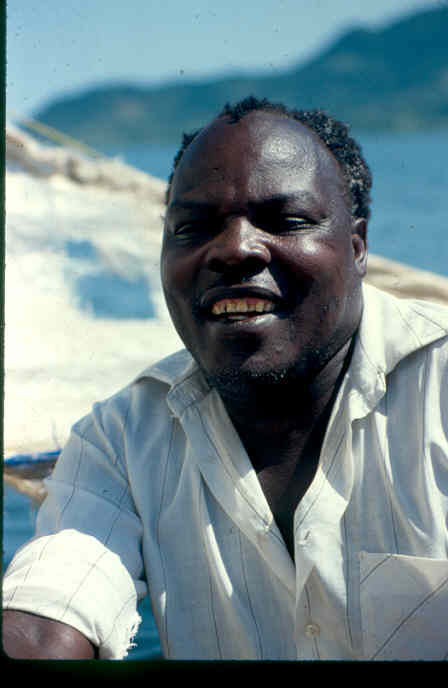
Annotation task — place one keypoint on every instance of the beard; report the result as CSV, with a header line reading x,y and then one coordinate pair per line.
x,y
239,382
243,386
275,389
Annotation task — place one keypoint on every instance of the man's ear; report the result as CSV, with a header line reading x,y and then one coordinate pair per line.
x,y
359,243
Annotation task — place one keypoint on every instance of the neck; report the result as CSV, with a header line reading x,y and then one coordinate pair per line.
x,y
275,419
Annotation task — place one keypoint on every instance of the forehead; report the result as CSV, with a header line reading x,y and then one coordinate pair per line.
x,y
262,154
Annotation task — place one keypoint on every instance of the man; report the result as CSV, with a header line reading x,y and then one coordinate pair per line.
x,y
280,486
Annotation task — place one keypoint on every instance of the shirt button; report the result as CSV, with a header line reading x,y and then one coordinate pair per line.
x,y
302,540
262,531
312,630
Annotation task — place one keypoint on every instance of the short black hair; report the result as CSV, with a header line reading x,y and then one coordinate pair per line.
x,y
333,133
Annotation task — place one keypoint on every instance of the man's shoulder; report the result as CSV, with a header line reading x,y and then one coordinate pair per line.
x,y
145,395
423,320
424,307
393,328
170,369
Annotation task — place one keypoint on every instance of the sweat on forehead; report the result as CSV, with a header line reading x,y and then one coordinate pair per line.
x,y
332,133
274,135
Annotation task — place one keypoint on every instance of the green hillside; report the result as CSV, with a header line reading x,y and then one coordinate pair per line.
x,y
393,78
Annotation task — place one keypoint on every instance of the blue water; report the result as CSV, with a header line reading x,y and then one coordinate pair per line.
x,y
408,224
410,179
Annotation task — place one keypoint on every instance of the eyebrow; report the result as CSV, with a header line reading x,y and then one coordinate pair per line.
x,y
275,201
190,205
280,200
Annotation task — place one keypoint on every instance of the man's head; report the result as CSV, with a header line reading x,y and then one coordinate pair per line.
x,y
333,133
264,248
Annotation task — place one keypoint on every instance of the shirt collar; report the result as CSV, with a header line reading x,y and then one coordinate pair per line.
x,y
391,329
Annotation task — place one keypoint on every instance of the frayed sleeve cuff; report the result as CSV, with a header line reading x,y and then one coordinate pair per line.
x,y
72,578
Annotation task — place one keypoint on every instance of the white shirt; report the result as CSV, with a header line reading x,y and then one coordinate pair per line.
x,y
155,489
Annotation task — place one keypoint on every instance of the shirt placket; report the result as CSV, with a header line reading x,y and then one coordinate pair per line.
x,y
318,541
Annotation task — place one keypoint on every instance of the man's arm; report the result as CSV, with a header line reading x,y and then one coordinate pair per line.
x,y
28,636
84,566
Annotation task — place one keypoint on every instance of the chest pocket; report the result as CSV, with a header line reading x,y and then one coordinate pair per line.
x,y
404,607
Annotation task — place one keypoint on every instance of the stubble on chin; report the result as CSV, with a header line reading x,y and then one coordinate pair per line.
x,y
239,387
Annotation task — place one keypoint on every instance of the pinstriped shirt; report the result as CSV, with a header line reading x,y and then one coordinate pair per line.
x,y
154,493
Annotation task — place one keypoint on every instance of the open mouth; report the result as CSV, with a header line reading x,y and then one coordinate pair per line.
x,y
241,308
232,304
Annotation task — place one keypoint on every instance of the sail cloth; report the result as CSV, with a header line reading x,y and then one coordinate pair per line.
x,y
72,220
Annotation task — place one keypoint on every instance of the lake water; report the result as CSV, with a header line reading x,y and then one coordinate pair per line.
x,y
408,224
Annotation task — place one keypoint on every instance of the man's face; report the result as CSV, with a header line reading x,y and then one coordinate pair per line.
x,y
261,260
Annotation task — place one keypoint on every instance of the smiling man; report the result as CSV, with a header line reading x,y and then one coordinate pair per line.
x,y
280,485
262,258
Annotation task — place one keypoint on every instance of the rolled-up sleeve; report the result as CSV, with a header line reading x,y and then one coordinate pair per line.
x,y
84,567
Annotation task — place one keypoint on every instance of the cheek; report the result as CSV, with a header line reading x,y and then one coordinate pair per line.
x,y
165,273
177,282
171,280
173,273
324,277
317,260
179,265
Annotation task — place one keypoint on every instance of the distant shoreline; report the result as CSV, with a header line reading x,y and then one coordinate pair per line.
x,y
390,79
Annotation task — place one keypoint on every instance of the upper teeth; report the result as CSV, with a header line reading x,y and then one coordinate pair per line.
x,y
242,306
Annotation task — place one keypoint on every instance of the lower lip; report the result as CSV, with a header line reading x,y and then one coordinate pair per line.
x,y
243,320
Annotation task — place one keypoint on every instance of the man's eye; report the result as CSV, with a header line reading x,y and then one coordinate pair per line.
x,y
199,230
290,224
185,229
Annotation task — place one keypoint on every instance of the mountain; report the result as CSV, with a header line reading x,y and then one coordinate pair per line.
x,y
391,78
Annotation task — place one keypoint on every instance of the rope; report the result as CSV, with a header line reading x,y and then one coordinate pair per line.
x,y
55,135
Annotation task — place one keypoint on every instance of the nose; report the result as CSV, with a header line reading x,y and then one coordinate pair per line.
x,y
239,246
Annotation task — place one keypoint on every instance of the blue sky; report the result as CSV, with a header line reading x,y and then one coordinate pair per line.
x,y
55,46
